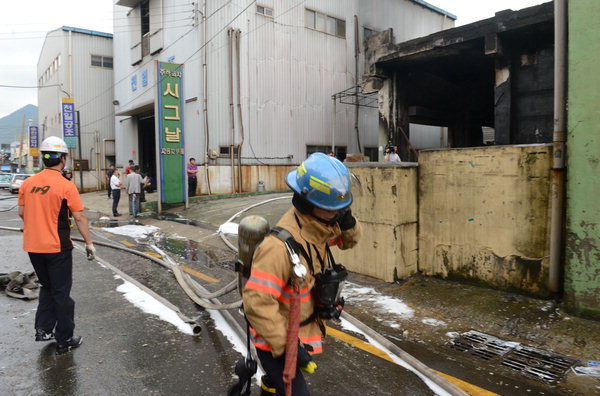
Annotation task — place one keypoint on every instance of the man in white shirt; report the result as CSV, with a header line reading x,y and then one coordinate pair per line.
x,y
115,189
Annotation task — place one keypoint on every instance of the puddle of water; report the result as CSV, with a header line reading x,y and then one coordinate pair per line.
x,y
182,247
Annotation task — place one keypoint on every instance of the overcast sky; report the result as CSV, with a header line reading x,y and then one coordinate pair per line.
x,y
24,23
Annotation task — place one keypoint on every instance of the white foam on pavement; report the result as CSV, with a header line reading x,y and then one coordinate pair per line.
x,y
238,344
433,322
132,230
229,228
149,304
383,304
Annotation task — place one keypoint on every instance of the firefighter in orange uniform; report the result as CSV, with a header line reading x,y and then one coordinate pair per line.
x,y
320,218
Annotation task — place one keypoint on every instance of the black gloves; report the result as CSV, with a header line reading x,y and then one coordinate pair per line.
x,y
345,219
305,361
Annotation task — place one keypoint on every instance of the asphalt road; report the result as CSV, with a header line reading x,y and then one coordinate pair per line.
x,y
129,352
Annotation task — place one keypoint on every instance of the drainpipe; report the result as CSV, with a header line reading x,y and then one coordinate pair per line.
x,y
559,143
356,52
334,125
239,107
205,97
231,114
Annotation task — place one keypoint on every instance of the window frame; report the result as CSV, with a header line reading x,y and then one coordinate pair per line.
x,y
322,22
265,10
103,61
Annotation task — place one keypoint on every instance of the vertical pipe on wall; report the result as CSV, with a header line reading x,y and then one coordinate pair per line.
x,y
205,98
334,124
238,33
558,140
356,108
231,113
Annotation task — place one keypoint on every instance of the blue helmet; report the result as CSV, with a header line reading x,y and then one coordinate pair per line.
x,y
323,181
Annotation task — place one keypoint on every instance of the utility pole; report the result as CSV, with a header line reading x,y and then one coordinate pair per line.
x,y
21,146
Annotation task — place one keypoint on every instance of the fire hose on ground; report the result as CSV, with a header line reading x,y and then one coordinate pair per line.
x,y
197,293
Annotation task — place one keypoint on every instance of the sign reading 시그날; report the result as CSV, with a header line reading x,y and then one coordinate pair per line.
x,y
169,126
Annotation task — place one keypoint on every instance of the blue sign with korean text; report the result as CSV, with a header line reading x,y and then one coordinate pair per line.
x,y
134,82
33,137
33,141
68,120
144,77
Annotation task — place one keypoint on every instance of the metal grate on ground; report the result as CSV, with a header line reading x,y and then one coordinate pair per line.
x,y
482,345
537,363
528,361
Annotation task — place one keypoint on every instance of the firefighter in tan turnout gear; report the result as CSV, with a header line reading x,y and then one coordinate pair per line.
x,y
319,219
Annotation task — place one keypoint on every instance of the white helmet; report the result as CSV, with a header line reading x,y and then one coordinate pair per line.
x,y
54,144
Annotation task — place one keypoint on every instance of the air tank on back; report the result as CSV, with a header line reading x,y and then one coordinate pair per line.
x,y
251,232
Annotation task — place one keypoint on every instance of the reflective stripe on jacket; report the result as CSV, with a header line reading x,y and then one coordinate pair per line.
x,y
267,292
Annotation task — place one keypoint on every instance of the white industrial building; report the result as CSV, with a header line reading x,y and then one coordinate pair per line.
x,y
78,63
259,77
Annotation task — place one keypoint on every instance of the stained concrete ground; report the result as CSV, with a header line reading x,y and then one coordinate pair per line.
x,y
441,307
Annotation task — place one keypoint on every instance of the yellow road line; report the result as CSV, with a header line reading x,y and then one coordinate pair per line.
x,y
152,254
127,243
467,387
365,346
198,274
357,342
108,234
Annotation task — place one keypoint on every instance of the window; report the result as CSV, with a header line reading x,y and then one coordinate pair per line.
x,y
224,151
96,60
107,62
102,61
265,11
145,12
372,153
324,23
340,151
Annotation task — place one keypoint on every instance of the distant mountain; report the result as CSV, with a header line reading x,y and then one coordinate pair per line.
x,y
10,126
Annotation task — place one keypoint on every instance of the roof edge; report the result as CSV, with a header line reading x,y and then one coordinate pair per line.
x,y
86,31
436,9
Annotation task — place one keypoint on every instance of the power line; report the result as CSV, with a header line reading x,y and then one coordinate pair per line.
x,y
30,86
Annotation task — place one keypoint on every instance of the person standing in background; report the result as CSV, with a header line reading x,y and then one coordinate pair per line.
x,y
134,187
129,168
115,186
192,172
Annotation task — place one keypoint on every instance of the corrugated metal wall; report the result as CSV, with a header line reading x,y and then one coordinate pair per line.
x,y
90,86
288,72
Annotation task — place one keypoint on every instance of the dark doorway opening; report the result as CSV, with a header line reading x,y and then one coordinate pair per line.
x,y
147,144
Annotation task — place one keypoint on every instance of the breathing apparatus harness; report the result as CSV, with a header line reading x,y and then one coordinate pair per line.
x,y
329,303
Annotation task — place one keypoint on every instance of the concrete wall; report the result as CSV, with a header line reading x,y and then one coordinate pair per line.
x,y
477,214
483,215
386,205
582,272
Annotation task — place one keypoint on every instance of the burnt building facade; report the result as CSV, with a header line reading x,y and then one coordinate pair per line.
x,y
489,82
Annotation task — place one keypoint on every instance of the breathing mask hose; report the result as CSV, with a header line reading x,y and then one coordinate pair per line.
x,y
291,348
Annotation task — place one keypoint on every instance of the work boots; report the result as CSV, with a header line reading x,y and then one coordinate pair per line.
x,y
42,335
71,343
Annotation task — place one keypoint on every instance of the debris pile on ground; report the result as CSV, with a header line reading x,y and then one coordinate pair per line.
x,y
20,285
